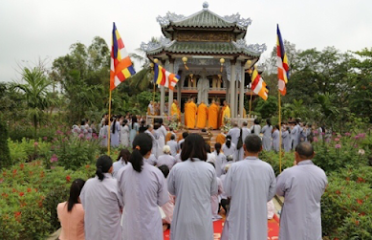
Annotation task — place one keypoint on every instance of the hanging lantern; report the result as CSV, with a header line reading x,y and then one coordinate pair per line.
x,y
184,60
156,60
222,61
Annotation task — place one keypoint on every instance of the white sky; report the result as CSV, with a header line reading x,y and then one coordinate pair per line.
x,y
33,29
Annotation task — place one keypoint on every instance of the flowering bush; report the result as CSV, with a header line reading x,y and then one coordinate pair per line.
x,y
28,150
29,197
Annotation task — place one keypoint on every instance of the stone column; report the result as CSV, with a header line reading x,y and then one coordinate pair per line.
x,y
236,97
232,89
162,100
179,87
242,93
170,97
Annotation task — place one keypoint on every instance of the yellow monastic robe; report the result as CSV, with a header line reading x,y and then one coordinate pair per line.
x,y
213,116
174,111
190,113
220,117
202,116
226,113
186,113
168,137
220,139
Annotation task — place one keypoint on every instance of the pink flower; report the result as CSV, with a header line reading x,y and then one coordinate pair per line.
x,y
58,132
88,138
362,135
323,133
316,132
348,134
81,135
356,137
54,158
315,139
36,144
337,139
45,138
338,146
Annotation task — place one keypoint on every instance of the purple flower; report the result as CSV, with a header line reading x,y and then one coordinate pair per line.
x,y
338,146
323,133
356,137
54,158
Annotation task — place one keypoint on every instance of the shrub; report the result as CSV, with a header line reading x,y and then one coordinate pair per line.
x,y
273,159
5,159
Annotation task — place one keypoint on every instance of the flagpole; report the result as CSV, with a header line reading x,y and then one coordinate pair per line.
x,y
250,104
109,128
280,133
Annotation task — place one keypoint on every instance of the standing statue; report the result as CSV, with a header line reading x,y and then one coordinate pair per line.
x,y
203,88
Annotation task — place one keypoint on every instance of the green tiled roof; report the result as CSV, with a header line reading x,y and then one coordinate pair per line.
x,y
204,18
204,48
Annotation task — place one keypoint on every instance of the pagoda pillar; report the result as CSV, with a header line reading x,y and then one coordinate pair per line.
x,y
162,100
242,93
236,97
170,97
232,89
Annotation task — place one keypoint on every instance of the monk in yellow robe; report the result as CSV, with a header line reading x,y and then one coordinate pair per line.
x,y
190,114
226,112
220,116
202,116
174,110
213,115
220,138
187,111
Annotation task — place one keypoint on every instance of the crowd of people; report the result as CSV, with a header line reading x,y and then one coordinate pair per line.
x,y
175,181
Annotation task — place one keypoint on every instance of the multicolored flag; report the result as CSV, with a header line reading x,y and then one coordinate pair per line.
x,y
121,65
164,78
281,63
258,85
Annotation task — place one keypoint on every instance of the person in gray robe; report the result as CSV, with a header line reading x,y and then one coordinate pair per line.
x,y
302,187
276,140
235,135
245,132
193,182
124,134
102,203
229,148
286,139
173,145
220,159
296,134
266,139
115,133
121,161
250,184
151,133
143,189
160,133
134,128
103,134
256,128
166,158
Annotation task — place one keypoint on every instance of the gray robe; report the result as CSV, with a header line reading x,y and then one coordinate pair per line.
x,y
251,184
295,136
266,139
142,193
275,136
245,132
219,162
166,159
230,151
154,142
302,187
235,134
256,129
115,137
286,140
193,184
173,146
101,202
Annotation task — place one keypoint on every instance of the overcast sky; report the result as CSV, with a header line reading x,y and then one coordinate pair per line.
x,y
33,29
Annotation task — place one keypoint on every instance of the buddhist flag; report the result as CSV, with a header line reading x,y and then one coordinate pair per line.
x,y
121,65
258,85
282,63
164,78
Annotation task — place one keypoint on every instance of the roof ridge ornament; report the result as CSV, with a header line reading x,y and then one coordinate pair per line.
x,y
169,17
256,48
205,5
243,22
153,45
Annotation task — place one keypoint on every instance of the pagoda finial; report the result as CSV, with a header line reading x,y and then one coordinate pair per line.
x,y
205,5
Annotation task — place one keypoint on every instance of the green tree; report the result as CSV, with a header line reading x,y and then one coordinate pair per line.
x,y
266,108
5,160
34,91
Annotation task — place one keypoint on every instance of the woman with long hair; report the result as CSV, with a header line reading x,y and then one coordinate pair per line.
x,y
71,214
229,148
133,129
266,139
121,161
220,159
102,203
143,189
193,182
115,133
256,128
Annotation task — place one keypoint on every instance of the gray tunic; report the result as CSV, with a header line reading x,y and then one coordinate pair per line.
x,y
219,162
166,159
115,137
266,139
275,136
193,184
251,184
101,202
154,142
142,193
235,134
230,151
295,136
286,140
245,132
256,129
302,187
173,146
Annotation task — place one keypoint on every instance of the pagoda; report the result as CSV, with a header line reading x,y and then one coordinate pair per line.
x,y
209,45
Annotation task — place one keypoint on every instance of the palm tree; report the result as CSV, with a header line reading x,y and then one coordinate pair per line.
x,y
35,91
